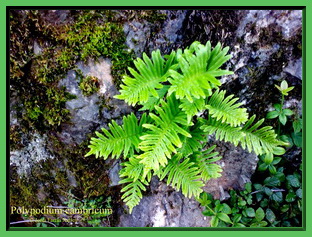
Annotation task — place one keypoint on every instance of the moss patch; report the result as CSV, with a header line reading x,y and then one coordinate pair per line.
x,y
88,84
34,78
55,181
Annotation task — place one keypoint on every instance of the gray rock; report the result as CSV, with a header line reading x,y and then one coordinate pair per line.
x,y
37,49
85,111
164,207
33,152
289,21
142,36
238,166
295,68
136,35
113,173
170,32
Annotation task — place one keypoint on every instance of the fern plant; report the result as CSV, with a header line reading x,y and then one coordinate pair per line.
x,y
169,140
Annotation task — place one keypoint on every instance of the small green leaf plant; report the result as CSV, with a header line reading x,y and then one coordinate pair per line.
x,y
276,202
93,219
182,104
268,161
283,115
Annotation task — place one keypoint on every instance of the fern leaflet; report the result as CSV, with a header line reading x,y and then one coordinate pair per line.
x,y
152,101
119,139
226,110
161,140
193,108
198,71
132,192
147,79
222,131
204,161
193,143
260,140
183,176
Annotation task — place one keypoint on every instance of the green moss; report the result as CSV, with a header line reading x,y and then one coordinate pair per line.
x,y
15,138
34,80
52,179
89,85
152,16
90,35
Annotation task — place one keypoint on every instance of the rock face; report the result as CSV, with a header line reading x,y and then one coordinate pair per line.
x,y
265,46
34,152
164,207
86,113
238,166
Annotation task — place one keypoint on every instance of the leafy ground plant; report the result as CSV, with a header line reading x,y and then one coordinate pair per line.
x,y
276,202
169,140
275,197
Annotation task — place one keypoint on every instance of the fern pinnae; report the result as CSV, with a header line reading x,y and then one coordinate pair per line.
x,y
260,140
222,131
193,108
225,109
183,176
197,71
193,143
132,169
132,192
162,138
145,81
119,139
204,161
152,100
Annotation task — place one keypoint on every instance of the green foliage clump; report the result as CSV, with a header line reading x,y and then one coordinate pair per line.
x,y
295,136
169,141
276,202
98,203
274,199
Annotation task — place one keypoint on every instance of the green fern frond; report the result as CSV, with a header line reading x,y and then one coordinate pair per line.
x,y
193,143
132,192
217,58
163,138
183,176
118,139
260,140
193,108
222,131
152,101
226,110
147,78
132,173
198,71
169,141
204,161
132,169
